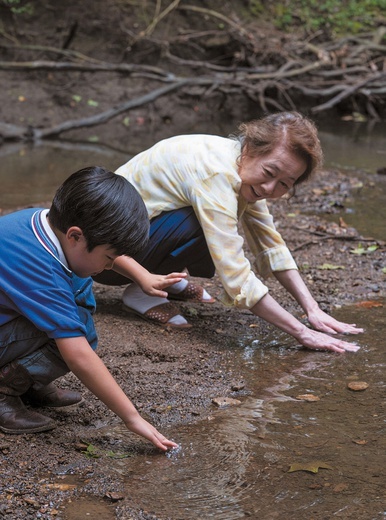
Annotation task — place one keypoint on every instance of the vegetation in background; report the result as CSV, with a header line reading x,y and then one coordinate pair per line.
x,y
334,17
18,6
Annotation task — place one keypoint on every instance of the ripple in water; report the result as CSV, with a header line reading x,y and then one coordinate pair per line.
x,y
234,465
205,476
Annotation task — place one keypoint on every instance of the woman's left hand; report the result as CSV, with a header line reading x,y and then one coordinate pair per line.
x,y
323,322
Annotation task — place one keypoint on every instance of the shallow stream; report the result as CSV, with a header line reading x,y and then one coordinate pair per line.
x,y
236,464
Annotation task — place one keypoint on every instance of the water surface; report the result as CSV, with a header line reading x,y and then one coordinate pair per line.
x,y
235,464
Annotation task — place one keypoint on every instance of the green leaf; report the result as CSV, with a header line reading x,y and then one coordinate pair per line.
x,y
92,103
330,266
114,455
361,250
311,467
76,98
91,452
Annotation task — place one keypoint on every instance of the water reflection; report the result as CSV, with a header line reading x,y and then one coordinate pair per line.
x,y
235,465
206,478
31,174
347,144
359,146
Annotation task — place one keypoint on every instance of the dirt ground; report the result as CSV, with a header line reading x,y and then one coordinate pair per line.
x,y
171,376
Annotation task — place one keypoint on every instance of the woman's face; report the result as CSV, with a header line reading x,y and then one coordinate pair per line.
x,y
269,176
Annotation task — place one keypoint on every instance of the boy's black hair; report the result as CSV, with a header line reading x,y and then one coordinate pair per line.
x,y
105,206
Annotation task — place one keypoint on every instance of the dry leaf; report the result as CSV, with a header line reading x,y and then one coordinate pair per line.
x,y
369,304
308,397
312,467
330,267
221,402
114,496
61,487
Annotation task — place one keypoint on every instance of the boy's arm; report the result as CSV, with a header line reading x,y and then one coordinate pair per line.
x,y
92,372
151,284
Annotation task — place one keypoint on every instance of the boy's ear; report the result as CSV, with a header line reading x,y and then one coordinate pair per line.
x,y
74,234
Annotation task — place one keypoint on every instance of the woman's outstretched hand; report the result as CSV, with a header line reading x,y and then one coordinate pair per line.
x,y
325,323
319,341
268,309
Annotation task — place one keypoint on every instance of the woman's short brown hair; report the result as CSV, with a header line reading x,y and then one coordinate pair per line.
x,y
292,130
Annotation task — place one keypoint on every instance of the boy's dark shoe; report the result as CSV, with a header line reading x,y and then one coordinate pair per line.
x,y
14,416
51,397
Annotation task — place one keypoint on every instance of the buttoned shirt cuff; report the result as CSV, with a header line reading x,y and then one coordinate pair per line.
x,y
251,292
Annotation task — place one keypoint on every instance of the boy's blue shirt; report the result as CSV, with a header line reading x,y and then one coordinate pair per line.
x,y
34,282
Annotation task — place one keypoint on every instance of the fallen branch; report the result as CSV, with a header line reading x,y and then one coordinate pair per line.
x,y
159,17
85,67
347,92
215,14
107,115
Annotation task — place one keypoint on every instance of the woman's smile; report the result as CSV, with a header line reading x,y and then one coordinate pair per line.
x,y
270,176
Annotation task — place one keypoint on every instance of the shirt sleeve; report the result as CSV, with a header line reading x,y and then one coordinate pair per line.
x,y
216,210
267,245
44,295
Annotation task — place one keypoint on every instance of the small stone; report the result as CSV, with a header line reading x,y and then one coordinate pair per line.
x,y
221,402
113,496
237,386
357,386
32,502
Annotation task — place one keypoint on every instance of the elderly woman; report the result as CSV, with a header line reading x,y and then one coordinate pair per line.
x,y
197,189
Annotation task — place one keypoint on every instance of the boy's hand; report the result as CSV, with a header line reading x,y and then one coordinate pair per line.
x,y
153,284
141,427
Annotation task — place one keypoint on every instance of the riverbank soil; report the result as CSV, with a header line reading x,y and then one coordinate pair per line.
x,y
171,376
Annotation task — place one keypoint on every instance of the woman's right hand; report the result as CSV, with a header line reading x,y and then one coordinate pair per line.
x,y
268,309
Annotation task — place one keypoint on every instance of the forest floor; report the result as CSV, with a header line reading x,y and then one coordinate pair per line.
x,y
171,376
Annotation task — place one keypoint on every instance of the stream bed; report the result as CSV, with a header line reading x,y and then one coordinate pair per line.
x,y
300,412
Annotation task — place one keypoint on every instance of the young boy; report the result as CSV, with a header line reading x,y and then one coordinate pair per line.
x,y
46,301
